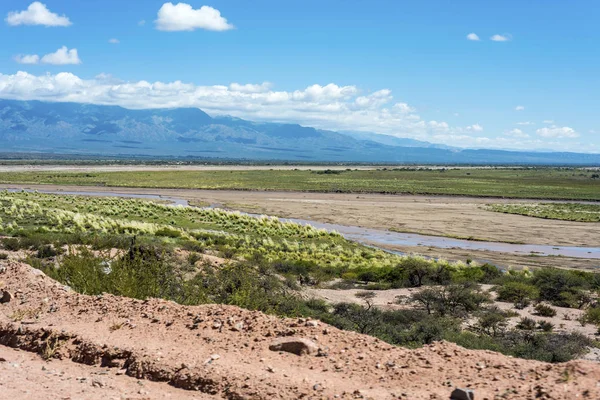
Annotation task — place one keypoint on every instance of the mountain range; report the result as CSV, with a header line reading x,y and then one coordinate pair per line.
x,y
96,130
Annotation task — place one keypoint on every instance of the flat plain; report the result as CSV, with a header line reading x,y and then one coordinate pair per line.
x,y
537,183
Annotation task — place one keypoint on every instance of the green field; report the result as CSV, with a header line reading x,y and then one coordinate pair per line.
x,y
540,183
565,212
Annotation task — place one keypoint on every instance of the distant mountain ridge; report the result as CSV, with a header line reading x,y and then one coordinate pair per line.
x,y
74,128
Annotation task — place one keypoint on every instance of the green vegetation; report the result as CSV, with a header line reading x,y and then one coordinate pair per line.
x,y
561,211
141,249
542,183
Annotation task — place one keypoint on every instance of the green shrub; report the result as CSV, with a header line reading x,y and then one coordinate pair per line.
x,y
167,232
592,316
526,324
3,256
521,294
546,326
544,310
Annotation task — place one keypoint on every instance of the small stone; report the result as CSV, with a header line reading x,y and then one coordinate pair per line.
x,y
5,296
98,383
462,394
311,323
270,369
238,327
298,346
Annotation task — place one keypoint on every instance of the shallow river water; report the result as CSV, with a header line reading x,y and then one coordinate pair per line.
x,y
382,238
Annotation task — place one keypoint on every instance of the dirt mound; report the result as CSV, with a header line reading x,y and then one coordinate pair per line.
x,y
223,352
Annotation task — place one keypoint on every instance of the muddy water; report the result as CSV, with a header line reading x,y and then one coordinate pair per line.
x,y
382,238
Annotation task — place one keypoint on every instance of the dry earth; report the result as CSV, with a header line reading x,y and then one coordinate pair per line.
x,y
223,352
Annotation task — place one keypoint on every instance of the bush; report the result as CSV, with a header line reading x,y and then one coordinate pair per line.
x,y
167,232
518,293
46,251
592,316
544,310
3,256
526,324
562,288
546,326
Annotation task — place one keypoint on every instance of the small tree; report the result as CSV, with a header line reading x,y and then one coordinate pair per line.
x,y
492,322
417,270
367,297
518,293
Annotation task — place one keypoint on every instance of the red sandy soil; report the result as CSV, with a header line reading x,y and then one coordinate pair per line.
x,y
217,351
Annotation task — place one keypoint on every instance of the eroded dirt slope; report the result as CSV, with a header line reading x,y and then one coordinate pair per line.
x,y
223,352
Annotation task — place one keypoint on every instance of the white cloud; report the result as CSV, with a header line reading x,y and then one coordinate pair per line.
x,y
516,133
27,59
548,121
182,17
36,14
475,128
519,108
439,126
114,41
473,36
557,132
525,123
250,88
62,56
501,38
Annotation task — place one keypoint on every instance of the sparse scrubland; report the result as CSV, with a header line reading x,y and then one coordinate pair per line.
x,y
540,183
141,249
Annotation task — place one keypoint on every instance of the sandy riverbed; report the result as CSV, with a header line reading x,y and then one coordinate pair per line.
x,y
431,215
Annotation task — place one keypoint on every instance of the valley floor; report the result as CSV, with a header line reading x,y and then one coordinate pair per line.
x,y
461,217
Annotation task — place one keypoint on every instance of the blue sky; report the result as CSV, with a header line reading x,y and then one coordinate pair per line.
x,y
404,68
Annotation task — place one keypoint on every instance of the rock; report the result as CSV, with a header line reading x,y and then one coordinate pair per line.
x,y
311,323
462,394
5,296
98,383
238,327
298,346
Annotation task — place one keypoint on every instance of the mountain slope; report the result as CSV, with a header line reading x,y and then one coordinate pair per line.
x,y
72,128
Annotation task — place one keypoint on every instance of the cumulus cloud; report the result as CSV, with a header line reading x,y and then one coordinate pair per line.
x,y
475,128
525,123
62,56
501,38
439,126
250,88
37,14
516,133
519,108
182,17
557,132
114,41
473,36
27,58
